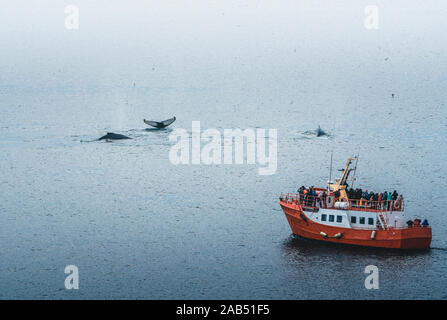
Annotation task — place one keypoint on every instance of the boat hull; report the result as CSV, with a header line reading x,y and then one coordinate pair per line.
x,y
402,238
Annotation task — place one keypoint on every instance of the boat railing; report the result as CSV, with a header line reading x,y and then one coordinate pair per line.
x,y
329,202
385,205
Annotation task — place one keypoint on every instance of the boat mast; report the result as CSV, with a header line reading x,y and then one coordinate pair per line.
x,y
330,172
355,170
340,184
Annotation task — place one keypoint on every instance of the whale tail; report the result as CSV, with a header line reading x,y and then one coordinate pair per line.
x,y
161,124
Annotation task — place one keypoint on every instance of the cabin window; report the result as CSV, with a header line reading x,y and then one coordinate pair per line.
x,y
339,219
331,218
353,219
362,220
371,221
323,217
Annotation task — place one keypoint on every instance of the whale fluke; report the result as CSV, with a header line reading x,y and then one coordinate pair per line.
x,y
114,136
159,125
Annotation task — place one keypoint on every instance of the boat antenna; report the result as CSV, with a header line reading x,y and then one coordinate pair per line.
x,y
355,170
330,170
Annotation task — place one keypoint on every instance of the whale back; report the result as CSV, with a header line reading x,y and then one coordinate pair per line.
x,y
114,136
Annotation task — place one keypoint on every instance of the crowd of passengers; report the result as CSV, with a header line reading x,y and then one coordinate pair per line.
x,y
358,198
417,223
310,197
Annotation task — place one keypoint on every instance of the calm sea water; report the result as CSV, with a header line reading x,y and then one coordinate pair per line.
x,y
140,227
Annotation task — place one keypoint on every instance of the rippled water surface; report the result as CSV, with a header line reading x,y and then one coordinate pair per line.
x,y
138,226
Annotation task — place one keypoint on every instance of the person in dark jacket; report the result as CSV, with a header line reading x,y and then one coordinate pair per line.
x,y
384,199
394,195
337,195
379,199
323,198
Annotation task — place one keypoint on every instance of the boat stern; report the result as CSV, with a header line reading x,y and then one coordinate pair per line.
x,y
416,237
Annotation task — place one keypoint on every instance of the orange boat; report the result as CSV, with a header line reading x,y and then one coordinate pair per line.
x,y
329,215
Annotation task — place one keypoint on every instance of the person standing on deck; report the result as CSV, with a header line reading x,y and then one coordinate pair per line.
x,y
379,201
324,199
337,195
375,198
389,201
400,200
393,199
320,200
